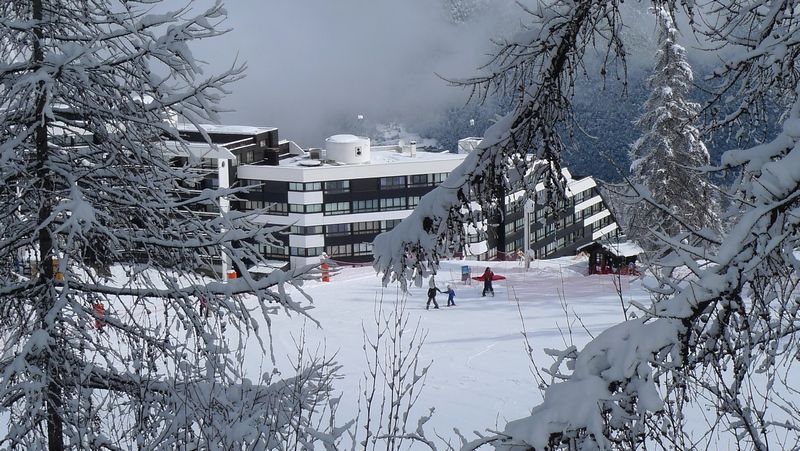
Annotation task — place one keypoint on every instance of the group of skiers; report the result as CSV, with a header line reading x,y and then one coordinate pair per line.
x,y
487,277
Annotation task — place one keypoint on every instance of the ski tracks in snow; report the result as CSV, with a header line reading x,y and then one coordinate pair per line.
x,y
486,349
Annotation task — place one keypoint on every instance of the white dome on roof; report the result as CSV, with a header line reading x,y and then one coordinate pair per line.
x,y
343,139
347,149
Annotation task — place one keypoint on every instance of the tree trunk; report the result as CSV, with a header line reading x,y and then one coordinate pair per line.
x,y
500,219
55,425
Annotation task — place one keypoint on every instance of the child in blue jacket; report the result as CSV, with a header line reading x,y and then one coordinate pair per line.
x,y
451,294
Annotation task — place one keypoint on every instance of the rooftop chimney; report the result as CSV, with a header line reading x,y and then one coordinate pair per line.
x,y
413,150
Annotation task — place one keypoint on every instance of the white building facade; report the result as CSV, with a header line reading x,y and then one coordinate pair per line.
x,y
335,201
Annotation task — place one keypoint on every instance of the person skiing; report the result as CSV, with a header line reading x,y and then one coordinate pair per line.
x,y
432,297
451,294
99,317
487,281
203,306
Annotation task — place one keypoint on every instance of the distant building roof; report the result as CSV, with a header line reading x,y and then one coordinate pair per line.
x,y
387,155
623,249
379,155
619,249
197,150
225,129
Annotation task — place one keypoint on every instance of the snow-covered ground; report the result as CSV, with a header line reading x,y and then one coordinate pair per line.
x,y
480,375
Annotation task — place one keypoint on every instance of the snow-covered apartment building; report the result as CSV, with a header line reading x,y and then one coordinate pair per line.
x,y
336,200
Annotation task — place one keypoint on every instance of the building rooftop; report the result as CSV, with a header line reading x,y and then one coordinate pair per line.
x,y
225,129
619,249
379,155
384,161
198,150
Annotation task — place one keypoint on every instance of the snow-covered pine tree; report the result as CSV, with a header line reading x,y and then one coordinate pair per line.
x,y
665,160
102,356
727,336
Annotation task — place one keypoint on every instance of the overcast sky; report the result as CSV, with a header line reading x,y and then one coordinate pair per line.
x,y
314,63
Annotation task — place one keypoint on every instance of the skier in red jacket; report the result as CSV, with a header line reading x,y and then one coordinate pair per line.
x,y
487,281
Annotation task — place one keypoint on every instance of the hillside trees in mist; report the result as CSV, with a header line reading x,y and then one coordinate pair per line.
x,y
725,333
461,11
98,356
459,122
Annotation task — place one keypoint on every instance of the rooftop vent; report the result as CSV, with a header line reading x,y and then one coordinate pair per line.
x,y
467,145
310,163
315,153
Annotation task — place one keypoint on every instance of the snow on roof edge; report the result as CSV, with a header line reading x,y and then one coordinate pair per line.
x,y
621,249
224,129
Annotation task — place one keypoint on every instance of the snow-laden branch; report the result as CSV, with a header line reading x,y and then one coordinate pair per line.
x,y
717,331
612,383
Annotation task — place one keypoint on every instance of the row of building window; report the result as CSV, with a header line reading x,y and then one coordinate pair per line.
x,y
392,182
343,186
559,243
561,204
541,211
539,234
378,226
411,181
335,208
596,208
364,248
514,226
349,249
395,204
582,196
550,228
333,251
514,246
543,233
269,251
565,220
273,208
609,235
301,208
370,205
515,207
305,251
332,187
247,157
306,230
355,228
601,223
